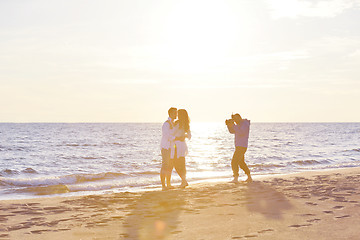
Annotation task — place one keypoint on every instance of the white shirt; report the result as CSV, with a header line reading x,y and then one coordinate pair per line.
x,y
177,132
167,137
181,146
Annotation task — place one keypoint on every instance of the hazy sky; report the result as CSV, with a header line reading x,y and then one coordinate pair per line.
x,y
129,61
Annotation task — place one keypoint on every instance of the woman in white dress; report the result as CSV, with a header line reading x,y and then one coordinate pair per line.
x,y
179,149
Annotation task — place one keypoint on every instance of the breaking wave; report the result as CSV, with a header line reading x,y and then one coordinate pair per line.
x,y
58,180
309,162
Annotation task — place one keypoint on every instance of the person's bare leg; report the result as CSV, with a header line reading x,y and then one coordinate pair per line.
x,y
178,168
244,166
162,178
166,164
249,179
168,177
181,170
235,180
235,166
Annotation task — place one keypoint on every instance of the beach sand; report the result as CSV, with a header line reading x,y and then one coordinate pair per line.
x,y
311,205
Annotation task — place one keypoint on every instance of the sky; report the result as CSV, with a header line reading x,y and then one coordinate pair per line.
x,y
129,61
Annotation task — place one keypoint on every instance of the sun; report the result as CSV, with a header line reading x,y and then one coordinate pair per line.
x,y
199,35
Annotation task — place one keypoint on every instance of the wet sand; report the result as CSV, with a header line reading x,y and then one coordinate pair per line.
x,y
311,205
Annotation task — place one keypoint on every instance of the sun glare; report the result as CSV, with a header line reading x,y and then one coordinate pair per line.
x,y
199,38
290,8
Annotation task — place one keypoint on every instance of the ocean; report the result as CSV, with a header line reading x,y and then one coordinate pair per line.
x,y
68,159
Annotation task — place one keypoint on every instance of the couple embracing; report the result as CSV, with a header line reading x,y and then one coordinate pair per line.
x,y
173,147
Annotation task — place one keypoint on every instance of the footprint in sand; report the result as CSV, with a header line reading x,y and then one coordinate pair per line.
x,y
254,235
246,236
39,231
311,203
345,216
340,200
314,220
251,236
16,227
37,219
266,230
338,207
328,212
307,215
300,225
64,229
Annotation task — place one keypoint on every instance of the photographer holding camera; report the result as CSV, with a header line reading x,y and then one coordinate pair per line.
x,y
240,127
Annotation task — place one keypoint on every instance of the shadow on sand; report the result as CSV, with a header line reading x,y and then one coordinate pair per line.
x,y
266,200
154,215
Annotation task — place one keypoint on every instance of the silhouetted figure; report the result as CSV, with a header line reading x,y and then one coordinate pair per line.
x,y
179,149
166,143
240,127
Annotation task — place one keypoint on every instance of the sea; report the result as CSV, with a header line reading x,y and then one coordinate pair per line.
x,y
72,159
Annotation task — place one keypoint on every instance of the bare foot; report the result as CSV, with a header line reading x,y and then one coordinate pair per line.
x,y
234,181
184,185
249,180
164,188
170,187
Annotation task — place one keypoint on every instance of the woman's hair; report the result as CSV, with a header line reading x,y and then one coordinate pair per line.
x,y
184,121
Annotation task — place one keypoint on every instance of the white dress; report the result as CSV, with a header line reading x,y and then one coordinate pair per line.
x,y
181,147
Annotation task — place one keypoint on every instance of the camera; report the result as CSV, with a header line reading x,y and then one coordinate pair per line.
x,y
229,121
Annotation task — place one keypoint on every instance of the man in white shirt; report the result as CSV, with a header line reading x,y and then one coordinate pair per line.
x,y
167,138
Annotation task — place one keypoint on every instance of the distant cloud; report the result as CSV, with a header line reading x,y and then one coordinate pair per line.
x,y
252,62
132,81
355,54
228,85
334,45
321,9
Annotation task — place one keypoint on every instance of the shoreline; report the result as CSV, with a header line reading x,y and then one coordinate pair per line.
x,y
154,187
312,205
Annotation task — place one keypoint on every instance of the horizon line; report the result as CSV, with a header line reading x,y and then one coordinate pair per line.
x,y
191,122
